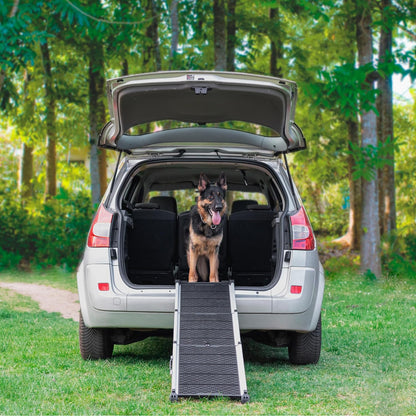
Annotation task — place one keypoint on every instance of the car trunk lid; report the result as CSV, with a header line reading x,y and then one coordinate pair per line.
x,y
202,98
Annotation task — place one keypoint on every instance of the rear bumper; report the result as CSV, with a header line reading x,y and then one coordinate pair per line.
x,y
150,308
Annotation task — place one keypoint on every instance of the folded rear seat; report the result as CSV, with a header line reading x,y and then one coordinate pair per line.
x,y
152,245
250,241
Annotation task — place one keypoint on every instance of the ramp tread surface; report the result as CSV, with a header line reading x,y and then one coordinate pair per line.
x,y
207,363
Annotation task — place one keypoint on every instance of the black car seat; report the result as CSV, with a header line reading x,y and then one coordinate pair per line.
x,y
152,245
250,242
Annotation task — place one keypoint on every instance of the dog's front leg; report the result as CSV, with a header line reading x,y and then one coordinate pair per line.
x,y
192,260
213,267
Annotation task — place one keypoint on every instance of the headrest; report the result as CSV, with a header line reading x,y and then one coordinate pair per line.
x,y
256,207
146,205
167,203
242,204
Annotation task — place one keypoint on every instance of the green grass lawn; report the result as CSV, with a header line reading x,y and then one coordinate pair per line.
x,y
367,364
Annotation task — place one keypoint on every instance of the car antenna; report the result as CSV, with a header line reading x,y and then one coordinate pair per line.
x,y
291,181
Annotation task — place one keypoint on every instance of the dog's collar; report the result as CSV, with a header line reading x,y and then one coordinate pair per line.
x,y
213,227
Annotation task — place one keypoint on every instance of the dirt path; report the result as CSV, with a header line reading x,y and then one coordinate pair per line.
x,y
49,299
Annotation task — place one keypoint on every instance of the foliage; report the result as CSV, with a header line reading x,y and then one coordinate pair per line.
x,y
343,88
17,36
328,211
398,255
61,226
44,234
337,259
17,238
370,158
316,47
405,178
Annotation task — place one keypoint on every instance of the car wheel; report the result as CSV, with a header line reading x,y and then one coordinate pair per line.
x,y
94,343
306,348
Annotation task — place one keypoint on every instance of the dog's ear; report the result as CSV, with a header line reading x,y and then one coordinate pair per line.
x,y
203,182
222,182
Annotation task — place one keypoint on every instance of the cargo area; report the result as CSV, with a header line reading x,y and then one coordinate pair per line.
x,y
155,214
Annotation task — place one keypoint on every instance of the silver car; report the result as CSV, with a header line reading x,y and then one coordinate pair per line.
x,y
171,127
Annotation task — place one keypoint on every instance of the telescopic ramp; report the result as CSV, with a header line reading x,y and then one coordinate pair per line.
x,y
207,357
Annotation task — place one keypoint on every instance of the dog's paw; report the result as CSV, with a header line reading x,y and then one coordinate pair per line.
x,y
192,278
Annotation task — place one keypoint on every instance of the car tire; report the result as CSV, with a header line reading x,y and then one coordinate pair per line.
x,y
305,348
94,343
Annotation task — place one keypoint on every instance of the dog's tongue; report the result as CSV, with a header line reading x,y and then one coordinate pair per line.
x,y
216,218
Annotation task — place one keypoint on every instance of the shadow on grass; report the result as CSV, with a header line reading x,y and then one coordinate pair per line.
x,y
158,348
150,349
256,353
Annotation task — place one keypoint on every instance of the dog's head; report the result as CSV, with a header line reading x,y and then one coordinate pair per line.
x,y
211,201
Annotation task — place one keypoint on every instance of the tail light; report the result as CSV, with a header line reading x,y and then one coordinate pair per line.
x,y
99,235
302,235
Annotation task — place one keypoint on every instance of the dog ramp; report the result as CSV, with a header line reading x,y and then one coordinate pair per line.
x,y
207,358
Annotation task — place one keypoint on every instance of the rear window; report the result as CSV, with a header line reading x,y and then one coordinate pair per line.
x,y
171,124
186,198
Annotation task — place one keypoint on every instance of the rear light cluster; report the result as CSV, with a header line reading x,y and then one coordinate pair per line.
x,y
302,235
99,235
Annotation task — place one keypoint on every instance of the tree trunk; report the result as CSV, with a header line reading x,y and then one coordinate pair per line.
x,y
276,46
151,54
353,236
387,194
26,160
50,104
26,172
370,237
354,229
175,33
98,168
124,67
220,45
231,35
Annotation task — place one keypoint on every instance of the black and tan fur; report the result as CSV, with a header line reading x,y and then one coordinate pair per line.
x,y
206,230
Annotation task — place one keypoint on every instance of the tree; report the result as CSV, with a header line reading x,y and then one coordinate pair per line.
x,y
231,34
92,41
175,33
19,39
26,159
220,42
50,109
353,236
151,53
96,107
387,195
276,43
370,237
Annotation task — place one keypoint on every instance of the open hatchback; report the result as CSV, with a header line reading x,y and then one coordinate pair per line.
x,y
203,98
173,126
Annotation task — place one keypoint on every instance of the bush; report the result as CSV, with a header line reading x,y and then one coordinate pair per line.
x,y
44,234
16,239
397,255
9,260
62,224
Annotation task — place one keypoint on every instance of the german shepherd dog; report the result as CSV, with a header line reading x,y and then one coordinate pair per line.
x,y
206,230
